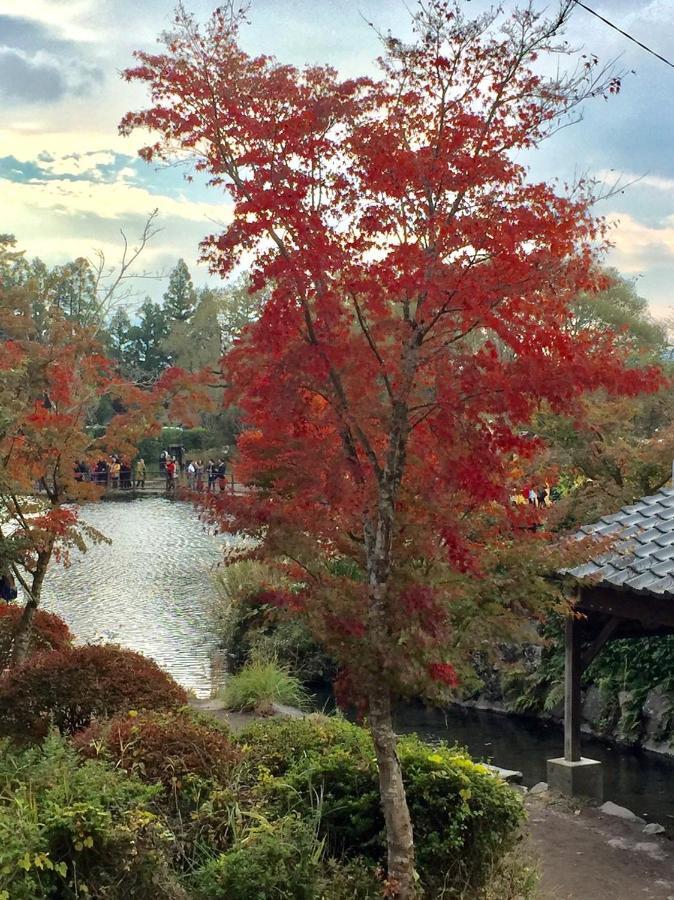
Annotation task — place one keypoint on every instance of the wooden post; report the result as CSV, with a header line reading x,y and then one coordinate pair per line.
x,y
572,673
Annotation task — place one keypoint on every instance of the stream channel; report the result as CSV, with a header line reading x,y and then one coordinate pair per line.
x,y
150,589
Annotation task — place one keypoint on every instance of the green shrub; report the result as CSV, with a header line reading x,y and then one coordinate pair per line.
x,y
188,757
232,612
273,860
70,687
71,829
465,820
353,879
290,643
49,631
278,746
259,685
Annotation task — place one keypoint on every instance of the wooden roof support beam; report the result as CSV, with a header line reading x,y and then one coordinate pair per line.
x,y
598,643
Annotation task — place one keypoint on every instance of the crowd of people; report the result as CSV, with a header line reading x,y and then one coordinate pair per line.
x,y
116,473
112,471
200,476
543,496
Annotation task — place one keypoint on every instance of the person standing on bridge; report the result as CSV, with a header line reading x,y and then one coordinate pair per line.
x,y
222,475
139,474
170,474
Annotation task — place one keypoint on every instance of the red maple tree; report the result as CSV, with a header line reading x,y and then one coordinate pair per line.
x,y
419,314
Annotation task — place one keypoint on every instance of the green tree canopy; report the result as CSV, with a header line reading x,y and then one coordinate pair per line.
x,y
180,298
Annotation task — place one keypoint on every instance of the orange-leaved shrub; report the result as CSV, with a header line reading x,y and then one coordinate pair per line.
x,y
49,632
188,758
68,688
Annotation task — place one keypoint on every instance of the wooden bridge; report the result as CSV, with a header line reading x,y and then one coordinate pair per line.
x,y
156,486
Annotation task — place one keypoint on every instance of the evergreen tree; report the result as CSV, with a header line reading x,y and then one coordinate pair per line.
x,y
180,298
146,351
118,337
72,289
198,343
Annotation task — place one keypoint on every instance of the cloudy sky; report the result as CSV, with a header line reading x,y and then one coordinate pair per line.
x,y
68,182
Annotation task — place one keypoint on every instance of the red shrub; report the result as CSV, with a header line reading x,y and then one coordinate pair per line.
x,y
49,631
68,688
185,755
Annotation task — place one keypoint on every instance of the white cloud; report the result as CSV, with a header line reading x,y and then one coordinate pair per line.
x,y
638,246
64,18
105,200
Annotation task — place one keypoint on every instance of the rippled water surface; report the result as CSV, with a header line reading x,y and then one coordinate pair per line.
x,y
149,590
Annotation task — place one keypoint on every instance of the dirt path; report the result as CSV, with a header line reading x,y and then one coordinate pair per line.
x,y
592,856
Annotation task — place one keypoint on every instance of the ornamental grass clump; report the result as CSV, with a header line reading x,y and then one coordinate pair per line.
x,y
260,685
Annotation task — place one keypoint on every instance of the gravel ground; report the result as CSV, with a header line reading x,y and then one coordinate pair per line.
x,y
586,855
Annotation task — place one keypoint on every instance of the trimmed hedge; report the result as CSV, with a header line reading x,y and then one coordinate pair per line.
x,y
68,688
49,631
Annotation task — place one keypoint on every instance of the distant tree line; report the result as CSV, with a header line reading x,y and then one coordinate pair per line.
x,y
189,328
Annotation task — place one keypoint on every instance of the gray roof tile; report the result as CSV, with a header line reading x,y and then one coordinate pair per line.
x,y
640,582
641,557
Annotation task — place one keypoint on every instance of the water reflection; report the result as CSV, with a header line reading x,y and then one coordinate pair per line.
x,y
148,590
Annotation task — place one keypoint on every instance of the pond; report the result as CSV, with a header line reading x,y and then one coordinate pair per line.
x,y
150,591
639,780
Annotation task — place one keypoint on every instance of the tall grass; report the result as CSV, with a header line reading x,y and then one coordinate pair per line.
x,y
259,685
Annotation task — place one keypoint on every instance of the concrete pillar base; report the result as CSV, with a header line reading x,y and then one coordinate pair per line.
x,y
584,778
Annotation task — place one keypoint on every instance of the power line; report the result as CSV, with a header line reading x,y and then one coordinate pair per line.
x,y
625,34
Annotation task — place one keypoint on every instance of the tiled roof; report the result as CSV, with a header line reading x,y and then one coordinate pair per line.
x,y
642,557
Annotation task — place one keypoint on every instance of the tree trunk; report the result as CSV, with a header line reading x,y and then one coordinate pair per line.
x,y
23,634
399,836
25,627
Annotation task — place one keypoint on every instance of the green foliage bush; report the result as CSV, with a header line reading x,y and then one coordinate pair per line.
x,y
189,758
272,860
49,631
71,828
465,820
635,665
68,688
261,684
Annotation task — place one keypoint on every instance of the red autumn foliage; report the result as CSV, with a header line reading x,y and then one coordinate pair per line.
x,y
49,631
172,748
67,688
444,673
276,598
420,311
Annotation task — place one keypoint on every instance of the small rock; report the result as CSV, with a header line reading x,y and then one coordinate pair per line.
x,y
539,788
654,828
620,812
